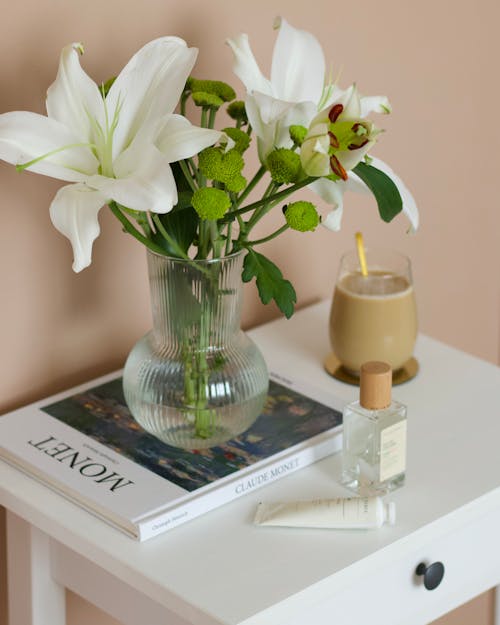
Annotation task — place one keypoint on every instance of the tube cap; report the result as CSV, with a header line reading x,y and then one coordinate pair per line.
x,y
375,385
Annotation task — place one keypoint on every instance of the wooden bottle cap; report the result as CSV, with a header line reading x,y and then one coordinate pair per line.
x,y
375,385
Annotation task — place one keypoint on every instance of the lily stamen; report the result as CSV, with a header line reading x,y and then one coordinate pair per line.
x,y
353,146
335,111
334,142
337,167
23,166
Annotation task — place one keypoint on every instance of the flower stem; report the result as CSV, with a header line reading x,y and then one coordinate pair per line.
x,y
228,237
250,187
184,98
272,198
262,210
187,175
211,117
269,237
128,226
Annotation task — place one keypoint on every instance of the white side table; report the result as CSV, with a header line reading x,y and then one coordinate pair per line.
x,y
220,569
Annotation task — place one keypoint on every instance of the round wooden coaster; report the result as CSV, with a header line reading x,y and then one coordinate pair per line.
x,y
407,372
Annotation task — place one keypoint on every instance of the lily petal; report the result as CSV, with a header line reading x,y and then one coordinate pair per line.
x,y
74,213
298,65
148,88
145,180
333,221
179,139
271,119
73,98
409,205
375,104
26,136
331,93
350,158
314,154
264,132
352,103
264,113
333,194
351,106
245,66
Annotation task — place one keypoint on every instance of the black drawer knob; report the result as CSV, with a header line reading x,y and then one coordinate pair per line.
x,y
433,574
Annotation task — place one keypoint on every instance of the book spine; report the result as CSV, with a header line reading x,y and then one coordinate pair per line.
x,y
232,490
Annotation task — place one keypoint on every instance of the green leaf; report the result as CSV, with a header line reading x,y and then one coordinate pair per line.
x,y
181,225
383,188
181,222
180,179
270,282
183,200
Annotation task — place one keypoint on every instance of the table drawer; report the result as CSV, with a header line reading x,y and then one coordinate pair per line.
x,y
395,594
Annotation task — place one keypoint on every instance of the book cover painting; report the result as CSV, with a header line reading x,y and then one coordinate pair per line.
x,y
102,414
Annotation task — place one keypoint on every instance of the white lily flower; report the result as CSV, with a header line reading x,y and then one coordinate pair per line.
x,y
115,148
338,138
296,94
292,94
296,91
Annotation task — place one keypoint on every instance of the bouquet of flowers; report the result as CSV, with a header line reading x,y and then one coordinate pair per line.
x,y
181,189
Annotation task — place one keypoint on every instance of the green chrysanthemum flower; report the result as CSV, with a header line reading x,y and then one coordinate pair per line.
x,y
240,138
283,165
297,134
215,87
210,100
209,163
236,110
302,216
210,203
225,168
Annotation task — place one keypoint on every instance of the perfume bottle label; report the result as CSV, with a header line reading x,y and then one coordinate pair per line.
x,y
392,451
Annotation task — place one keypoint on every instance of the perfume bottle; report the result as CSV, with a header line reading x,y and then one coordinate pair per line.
x,y
374,448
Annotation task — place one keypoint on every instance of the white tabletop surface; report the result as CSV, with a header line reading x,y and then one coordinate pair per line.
x,y
220,568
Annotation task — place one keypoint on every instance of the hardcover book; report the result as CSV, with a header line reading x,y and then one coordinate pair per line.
x,y
86,445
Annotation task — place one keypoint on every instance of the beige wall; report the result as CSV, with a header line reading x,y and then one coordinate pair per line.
x,y
436,60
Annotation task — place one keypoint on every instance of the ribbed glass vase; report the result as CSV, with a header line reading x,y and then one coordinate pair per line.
x,y
196,380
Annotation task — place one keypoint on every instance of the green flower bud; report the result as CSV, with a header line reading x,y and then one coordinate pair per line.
x,y
236,110
223,167
302,216
283,165
210,100
240,138
215,87
210,203
297,134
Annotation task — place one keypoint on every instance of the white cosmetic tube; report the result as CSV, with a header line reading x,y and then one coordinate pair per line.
x,y
350,513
